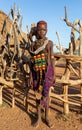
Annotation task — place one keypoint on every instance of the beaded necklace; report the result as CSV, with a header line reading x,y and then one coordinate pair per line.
x,y
40,46
40,42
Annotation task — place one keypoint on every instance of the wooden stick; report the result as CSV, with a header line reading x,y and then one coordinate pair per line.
x,y
1,87
69,82
74,70
73,58
70,95
7,83
69,102
13,97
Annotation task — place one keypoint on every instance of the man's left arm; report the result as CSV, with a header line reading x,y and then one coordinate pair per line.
x,y
52,59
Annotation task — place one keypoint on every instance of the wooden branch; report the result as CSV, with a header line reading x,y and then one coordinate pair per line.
x,y
69,57
69,82
58,97
7,83
71,95
62,81
58,38
1,87
74,70
69,23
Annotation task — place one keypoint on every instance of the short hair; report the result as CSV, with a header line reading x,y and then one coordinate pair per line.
x,y
42,22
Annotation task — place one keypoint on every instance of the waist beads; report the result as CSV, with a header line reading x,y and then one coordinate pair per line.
x,y
40,62
40,65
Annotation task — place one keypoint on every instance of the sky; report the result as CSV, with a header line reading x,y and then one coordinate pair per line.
x,y
49,10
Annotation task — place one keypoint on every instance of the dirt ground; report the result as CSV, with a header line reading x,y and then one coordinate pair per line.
x,y
18,118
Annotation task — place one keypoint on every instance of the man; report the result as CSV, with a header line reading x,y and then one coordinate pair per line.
x,y
43,71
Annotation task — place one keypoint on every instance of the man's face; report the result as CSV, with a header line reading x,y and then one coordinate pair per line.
x,y
41,31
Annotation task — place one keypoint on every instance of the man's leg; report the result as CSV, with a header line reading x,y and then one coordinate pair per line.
x,y
47,114
38,113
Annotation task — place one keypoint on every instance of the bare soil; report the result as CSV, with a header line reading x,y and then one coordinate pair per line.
x,y
18,118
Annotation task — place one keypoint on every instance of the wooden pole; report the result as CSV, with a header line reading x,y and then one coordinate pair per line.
x,y
81,61
1,87
66,76
13,97
65,91
7,83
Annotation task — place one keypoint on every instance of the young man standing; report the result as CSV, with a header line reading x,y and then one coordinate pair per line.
x,y
43,70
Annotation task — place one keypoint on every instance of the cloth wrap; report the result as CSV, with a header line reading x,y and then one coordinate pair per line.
x,y
48,82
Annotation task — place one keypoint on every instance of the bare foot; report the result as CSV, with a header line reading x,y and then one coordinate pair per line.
x,y
49,124
36,124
